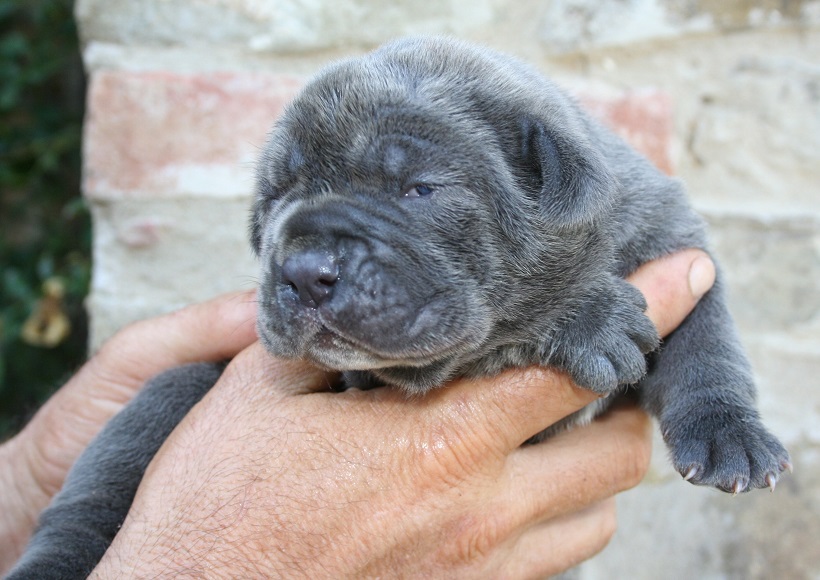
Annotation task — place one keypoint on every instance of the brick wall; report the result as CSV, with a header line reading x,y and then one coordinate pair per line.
x,y
724,94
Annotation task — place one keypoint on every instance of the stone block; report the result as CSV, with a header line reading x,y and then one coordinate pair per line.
x,y
756,138
787,368
153,134
285,26
772,268
579,25
642,117
746,116
153,256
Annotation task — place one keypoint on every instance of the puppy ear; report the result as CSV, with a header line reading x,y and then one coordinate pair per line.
x,y
569,176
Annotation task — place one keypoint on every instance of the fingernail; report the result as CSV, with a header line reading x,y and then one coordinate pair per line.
x,y
701,276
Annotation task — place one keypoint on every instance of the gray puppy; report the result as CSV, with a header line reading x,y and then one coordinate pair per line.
x,y
434,210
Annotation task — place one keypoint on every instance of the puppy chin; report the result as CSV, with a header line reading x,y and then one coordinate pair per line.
x,y
330,350
316,335
341,358
321,347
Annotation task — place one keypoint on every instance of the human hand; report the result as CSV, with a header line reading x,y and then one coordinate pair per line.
x,y
34,464
272,475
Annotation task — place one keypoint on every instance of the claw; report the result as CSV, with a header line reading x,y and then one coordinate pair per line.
x,y
771,481
739,486
787,465
693,471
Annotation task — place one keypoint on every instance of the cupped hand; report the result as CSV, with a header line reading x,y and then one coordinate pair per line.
x,y
273,475
34,464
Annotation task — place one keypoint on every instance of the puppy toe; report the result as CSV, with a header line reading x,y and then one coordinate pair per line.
x,y
629,363
731,452
644,335
594,372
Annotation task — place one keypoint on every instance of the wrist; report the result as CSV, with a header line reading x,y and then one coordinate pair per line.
x,y
21,501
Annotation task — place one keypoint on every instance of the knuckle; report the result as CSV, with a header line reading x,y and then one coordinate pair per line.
x,y
124,340
473,540
633,467
632,453
117,341
456,449
637,461
440,458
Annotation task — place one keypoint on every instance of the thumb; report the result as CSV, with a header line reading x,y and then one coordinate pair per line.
x,y
61,429
673,285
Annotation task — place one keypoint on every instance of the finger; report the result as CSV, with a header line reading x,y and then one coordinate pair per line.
x,y
562,543
254,386
209,331
576,468
673,285
499,413
255,368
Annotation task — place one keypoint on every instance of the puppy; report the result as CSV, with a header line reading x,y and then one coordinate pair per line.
x,y
434,210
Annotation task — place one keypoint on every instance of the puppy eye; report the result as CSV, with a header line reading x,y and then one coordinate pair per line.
x,y
419,190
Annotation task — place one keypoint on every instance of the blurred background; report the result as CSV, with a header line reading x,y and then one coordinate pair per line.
x,y
45,228
724,94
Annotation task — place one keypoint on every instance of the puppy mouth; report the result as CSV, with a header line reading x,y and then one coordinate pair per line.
x,y
314,334
334,348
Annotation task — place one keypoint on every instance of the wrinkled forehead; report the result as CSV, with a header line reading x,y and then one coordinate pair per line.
x,y
370,129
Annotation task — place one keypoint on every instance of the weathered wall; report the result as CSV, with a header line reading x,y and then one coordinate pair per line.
x,y
723,93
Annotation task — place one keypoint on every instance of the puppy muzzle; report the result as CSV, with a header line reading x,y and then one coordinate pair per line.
x,y
356,288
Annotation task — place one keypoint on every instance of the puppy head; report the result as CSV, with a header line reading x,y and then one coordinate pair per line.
x,y
417,207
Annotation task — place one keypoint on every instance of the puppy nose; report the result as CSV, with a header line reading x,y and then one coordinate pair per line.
x,y
312,276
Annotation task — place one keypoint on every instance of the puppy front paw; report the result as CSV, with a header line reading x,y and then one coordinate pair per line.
x,y
605,345
725,448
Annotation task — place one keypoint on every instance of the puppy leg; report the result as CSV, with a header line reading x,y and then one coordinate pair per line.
x,y
604,345
76,529
702,392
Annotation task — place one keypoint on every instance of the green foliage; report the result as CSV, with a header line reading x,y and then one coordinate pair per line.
x,y
45,228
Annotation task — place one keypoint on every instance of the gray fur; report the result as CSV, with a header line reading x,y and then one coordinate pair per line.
x,y
511,251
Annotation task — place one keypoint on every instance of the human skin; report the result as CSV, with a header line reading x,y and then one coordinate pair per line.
x,y
34,463
272,474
